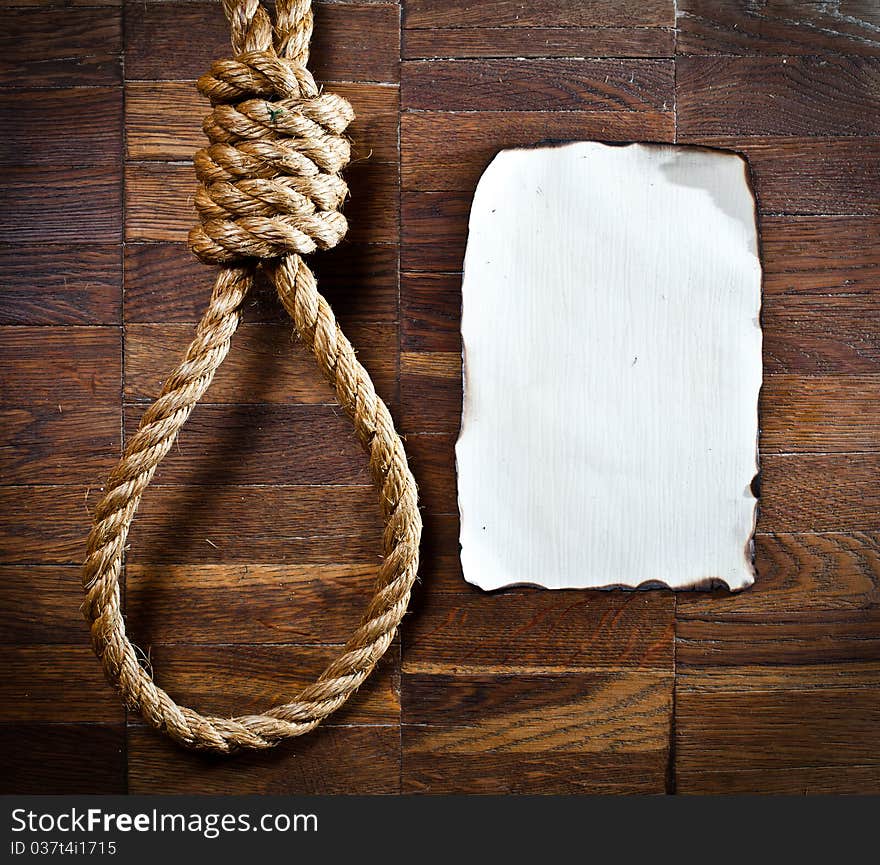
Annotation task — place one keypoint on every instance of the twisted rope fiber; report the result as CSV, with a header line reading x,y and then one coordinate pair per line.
x,y
270,192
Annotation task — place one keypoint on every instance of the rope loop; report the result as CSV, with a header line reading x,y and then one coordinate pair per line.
x,y
269,191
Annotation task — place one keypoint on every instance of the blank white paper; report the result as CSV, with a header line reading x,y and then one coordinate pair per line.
x,y
612,366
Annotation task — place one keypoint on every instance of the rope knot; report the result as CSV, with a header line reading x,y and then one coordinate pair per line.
x,y
269,181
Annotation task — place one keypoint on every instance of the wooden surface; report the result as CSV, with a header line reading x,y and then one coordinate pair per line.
x,y
254,552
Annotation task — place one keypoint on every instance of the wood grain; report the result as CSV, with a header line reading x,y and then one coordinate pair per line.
x,y
448,151
600,41
47,759
60,284
47,442
841,637
46,524
276,444
55,683
430,312
548,734
785,27
799,574
257,677
821,414
831,176
523,630
435,14
268,365
271,524
331,761
86,205
797,96
352,41
71,126
551,85
52,365
791,780
433,230
164,282
430,391
433,463
296,604
828,336
790,724
819,493
41,607
57,47
820,254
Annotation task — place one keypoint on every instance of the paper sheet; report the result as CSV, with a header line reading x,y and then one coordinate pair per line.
x,y
612,365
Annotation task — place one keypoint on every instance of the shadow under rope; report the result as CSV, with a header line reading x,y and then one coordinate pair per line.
x,y
178,535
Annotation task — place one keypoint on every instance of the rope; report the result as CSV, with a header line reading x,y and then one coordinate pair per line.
x,y
269,192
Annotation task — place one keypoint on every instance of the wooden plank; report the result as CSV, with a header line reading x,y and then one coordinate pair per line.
x,y
432,458
840,636
446,42
783,27
267,524
275,444
520,631
76,366
449,151
77,445
44,524
435,14
302,525
55,683
529,84
164,282
821,414
825,336
531,773
827,255
249,603
266,363
756,679
163,120
792,780
833,176
430,391
352,42
537,733
819,493
58,47
834,725
330,760
60,284
159,201
43,606
798,574
74,126
62,759
430,312
255,678
439,561
433,230
796,96
86,205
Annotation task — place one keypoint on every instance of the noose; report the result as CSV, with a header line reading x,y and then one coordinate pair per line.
x,y
269,192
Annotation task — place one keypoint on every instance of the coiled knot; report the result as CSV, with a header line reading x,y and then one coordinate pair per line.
x,y
269,181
